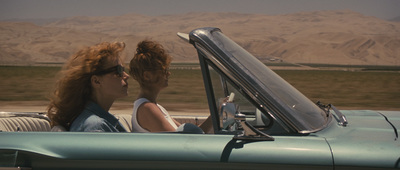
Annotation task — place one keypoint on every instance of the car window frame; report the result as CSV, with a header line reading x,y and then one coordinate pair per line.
x,y
203,40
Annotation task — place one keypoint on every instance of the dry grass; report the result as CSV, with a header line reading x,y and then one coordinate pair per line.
x,y
344,89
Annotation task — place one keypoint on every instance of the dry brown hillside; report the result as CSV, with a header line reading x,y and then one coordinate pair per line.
x,y
332,37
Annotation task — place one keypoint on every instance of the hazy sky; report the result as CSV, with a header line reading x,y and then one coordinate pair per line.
x,y
38,9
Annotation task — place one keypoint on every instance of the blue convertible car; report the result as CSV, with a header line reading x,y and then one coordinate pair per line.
x,y
260,122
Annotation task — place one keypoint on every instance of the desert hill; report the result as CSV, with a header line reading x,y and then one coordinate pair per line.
x,y
333,37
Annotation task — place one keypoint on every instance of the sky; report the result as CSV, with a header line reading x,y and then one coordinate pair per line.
x,y
45,9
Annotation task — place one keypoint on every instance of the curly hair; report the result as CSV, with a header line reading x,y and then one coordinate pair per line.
x,y
150,55
73,89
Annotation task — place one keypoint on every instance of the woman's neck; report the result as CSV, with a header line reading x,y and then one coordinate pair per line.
x,y
149,94
103,103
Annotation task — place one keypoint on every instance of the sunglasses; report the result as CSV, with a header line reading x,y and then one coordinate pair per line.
x,y
118,69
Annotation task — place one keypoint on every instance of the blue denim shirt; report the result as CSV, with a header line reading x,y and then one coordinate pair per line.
x,y
95,119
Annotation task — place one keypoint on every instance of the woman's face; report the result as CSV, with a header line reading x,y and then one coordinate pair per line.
x,y
158,78
163,76
114,84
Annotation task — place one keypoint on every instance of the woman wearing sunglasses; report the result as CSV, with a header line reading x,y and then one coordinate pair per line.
x,y
149,67
90,81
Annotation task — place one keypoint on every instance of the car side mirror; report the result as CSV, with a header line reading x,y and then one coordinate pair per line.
x,y
249,131
232,120
227,116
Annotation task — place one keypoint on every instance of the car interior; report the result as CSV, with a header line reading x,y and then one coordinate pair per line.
x,y
37,121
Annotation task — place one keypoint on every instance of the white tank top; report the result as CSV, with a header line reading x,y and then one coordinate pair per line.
x,y
135,125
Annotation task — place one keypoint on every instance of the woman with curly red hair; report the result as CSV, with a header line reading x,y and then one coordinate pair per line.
x,y
149,67
90,82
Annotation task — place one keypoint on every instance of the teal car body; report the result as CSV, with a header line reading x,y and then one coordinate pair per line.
x,y
259,120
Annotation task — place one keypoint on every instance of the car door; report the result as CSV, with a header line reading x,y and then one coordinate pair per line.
x,y
81,150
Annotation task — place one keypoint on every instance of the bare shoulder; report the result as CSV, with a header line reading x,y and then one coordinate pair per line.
x,y
149,110
150,117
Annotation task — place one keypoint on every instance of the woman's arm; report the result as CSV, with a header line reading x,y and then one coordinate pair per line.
x,y
207,125
152,119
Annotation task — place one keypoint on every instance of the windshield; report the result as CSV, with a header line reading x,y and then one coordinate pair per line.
x,y
264,86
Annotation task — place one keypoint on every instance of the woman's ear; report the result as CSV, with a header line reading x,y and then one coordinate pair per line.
x,y
147,76
95,81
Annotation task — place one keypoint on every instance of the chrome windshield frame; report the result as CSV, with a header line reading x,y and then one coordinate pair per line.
x,y
215,43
